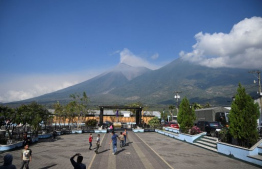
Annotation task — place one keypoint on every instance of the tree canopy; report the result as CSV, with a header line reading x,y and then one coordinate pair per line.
x,y
243,118
186,116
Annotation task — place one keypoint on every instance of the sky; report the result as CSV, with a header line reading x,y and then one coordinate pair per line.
x,y
49,45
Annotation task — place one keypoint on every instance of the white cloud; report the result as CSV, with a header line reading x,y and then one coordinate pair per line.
x,y
241,48
155,56
129,58
18,87
21,87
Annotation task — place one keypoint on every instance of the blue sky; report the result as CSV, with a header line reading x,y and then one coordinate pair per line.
x,y
48,45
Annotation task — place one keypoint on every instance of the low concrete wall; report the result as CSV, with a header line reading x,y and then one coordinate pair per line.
x,y
180,136
77,131
240,152
11,146
138,130
101,131
48,135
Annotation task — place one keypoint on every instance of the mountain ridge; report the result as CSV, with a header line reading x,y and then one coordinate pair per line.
x,y
125,84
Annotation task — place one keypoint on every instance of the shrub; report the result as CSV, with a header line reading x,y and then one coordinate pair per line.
x,y
154,122
195,130
224,135
91,122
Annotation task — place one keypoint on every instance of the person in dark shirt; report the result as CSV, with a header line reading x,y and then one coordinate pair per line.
x,y
114,142
78,164
8,158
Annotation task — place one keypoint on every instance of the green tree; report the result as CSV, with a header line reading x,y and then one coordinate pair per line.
x,y
71,109
32,114
79,106
186,116
171,109
8,117
243,118
154,122
163,115
197,106
59,112
207,105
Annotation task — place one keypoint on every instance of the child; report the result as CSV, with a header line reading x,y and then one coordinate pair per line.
x,y
125,136
97,143
90,141
121,138
26,157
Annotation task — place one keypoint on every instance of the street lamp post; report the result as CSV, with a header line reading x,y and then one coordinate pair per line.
x,y
177,97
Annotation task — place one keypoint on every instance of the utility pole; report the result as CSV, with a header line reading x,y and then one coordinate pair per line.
x,y
259,91
177,97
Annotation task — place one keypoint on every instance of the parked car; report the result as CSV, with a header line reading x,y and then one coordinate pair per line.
x,y
171,124
212,128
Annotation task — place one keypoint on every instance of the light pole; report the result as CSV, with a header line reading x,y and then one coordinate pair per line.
x,y
177,97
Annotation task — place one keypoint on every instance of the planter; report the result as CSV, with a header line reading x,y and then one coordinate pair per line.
x,y
180,136
159,131
175,130
58,133
241,152
101,131
138,130
42,136
76,131
88,131
189,138
149,130
11,146
34,139
66,132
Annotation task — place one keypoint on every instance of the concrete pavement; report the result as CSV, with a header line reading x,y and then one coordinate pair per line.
x,y
145,151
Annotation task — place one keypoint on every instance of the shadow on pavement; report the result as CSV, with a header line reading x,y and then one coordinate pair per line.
x,y
49,166
118,152
103,151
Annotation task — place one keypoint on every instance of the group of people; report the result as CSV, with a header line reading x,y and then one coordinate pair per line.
x,y
97,142
122,137
26,156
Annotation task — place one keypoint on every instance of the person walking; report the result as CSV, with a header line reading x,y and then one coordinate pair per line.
x,y
97,143
121,138
114,142
90,141
8,158
125,136
26,157
111,128
78,163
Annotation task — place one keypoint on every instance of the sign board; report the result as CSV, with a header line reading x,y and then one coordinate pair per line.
x,y
126,114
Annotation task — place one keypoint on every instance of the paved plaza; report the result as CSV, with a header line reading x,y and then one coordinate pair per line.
x,y
144,151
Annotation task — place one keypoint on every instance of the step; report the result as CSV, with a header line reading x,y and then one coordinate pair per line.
x,y
206,147
257,157
208,140
207,144
211,138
